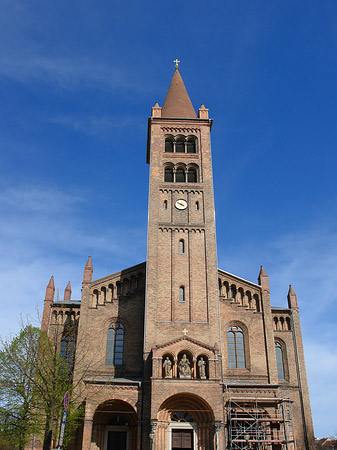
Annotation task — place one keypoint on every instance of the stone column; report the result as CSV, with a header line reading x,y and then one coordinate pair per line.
x,y
219,435
87,428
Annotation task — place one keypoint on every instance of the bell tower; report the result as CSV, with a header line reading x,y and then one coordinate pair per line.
x,y
181,290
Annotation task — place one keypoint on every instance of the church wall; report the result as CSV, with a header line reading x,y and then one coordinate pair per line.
x,y
252,325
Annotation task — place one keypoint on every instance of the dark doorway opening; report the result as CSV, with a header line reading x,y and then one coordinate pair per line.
x,y
182,439
116,440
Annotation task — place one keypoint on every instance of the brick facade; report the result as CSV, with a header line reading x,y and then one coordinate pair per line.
x,y
175,349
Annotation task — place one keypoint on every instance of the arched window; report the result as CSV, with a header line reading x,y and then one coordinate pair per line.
x,y
288,324
236,348
168,177
165,204
192,175
169,146
115,344
197,206
279,361
182,294
180,175
67,350
118,288
180,146
181,246
233,292
190,147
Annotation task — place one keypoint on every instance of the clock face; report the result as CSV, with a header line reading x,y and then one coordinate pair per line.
x,y
181,204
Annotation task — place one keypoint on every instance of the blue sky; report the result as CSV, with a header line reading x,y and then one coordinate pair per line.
x,y
77,83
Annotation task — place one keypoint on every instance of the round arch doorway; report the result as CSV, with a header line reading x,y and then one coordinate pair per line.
x,y
185,421
115,426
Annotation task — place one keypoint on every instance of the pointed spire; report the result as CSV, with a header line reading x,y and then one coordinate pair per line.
x,y
292,298
177,102
262,274
50,290
88,270
67,292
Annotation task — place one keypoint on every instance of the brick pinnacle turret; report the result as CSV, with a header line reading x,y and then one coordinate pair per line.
x,y
67,292
88,270
50,290
292,298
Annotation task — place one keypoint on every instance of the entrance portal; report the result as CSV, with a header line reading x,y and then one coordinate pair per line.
x,y
185,421
114,426
182,439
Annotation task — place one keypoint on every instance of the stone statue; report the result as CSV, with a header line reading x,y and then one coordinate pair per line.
x,y
167,366
184,367
202,367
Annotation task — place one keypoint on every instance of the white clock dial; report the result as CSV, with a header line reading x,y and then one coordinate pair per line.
x,y
181,204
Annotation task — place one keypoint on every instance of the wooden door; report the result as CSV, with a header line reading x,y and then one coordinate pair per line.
x,y
182,439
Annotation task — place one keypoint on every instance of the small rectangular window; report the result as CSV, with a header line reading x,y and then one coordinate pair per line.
x,y
181,294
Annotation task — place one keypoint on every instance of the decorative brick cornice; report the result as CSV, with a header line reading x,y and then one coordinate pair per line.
x,y
180,191
183,228
180,129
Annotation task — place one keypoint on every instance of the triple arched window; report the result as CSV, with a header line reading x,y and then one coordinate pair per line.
x,y
180,144
181,173
115,344
236,348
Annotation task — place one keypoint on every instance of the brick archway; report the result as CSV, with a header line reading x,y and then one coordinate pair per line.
x,y
115,418
185,411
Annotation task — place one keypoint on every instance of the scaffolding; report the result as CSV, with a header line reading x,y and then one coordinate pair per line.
x,y
259,423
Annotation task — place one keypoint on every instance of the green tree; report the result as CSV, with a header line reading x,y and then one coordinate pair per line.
x,y
18,357
33,381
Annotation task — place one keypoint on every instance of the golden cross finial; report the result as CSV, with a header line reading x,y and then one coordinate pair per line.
x,y
176,61
185,331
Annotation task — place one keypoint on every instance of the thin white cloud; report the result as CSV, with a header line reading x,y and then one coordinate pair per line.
x,y
37,199
98,125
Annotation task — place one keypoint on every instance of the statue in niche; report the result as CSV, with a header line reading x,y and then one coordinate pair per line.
x,y
202,367
167,366
184,367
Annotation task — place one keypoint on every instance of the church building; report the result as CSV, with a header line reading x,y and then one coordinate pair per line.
x,y
175,353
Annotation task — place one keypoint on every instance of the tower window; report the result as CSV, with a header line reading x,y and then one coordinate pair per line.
x,y
168,146
192,176
180,176
115,344
236,349
181,294
197,206
190,147
181,246
169,175
165,204
180,147
279,361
